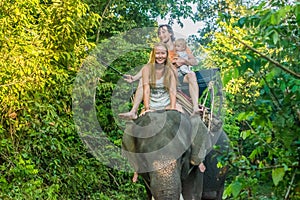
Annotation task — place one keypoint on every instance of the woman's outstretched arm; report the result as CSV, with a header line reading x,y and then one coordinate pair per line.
x,y
146,87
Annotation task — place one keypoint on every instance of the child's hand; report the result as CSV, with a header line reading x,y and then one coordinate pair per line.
x,y
202,167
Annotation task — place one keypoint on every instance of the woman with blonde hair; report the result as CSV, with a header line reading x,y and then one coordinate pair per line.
x,y
159,83
159,80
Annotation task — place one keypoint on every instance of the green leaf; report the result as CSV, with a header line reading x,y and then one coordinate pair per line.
x,y
246,116
275,19
277,175
275,37
226,78
236,188
242,21
2,180
265,19
245,134
253,154
295,88
297,13
236,73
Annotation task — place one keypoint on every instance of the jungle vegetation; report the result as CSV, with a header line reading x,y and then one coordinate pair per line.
x,y
44,43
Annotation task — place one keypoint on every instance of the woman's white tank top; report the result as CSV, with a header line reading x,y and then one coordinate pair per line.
x,y
159,96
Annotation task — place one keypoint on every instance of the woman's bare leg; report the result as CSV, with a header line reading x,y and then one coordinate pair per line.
x,y
194,90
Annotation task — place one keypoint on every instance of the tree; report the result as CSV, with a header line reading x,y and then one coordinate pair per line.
x,y
261,78
208,12
43,44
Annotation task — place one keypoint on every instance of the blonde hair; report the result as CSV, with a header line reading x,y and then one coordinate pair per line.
x,y
169,71
181,41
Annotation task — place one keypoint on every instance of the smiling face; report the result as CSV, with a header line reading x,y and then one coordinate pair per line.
x,y
161,54
164,35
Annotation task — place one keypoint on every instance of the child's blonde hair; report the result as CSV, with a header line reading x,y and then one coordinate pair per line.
x,y
181,41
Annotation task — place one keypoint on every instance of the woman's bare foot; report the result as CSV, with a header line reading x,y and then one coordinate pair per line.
x,y
135,177
128,115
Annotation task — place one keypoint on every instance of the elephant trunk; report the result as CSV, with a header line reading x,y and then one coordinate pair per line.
x,y
165,183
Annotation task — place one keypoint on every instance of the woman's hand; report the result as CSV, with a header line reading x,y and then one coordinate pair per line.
x,y
128,78
145,111
177,61
169,107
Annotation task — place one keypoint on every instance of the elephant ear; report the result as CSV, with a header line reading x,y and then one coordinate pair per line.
x,y
156,137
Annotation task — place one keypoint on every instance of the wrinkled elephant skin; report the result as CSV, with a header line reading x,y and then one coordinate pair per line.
x,y
158,146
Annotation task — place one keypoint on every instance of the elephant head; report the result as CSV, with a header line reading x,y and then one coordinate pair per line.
x,y
158,146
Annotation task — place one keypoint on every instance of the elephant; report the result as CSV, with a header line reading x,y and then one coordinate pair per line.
x,y
158,145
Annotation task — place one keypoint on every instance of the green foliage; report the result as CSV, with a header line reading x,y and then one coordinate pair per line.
x,y
208,12
259,55
43,44
120,16
129,63
41,154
